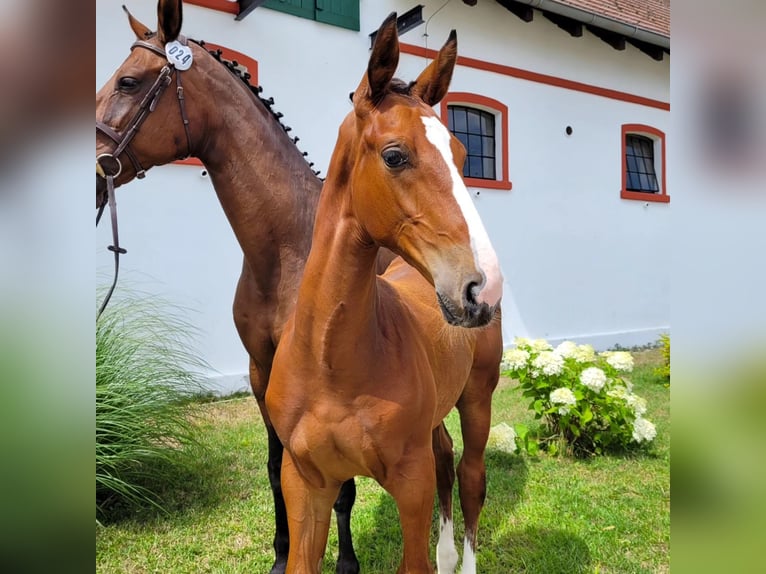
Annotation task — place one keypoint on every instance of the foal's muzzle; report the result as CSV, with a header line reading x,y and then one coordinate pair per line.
x,y
466,314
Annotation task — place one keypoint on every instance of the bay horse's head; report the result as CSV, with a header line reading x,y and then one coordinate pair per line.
x,y
408,192
137,127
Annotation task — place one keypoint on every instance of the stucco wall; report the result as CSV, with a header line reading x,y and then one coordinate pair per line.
x,y
579,262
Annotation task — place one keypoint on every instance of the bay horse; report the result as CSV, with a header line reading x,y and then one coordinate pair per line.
x,y
369,366
267,189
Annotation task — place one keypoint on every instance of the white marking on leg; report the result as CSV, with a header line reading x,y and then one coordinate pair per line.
x,y
483,252
469,559
446,553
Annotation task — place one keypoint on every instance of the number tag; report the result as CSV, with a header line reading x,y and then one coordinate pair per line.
x,y
179,55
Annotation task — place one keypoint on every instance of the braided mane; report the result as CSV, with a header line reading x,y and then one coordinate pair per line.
x,y
234,67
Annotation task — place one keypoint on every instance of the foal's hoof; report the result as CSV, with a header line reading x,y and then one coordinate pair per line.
x,y
347,566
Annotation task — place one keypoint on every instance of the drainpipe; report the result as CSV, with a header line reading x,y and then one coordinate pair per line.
x,y
627,30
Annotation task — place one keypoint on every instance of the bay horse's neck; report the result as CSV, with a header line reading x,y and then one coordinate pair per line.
x,y
266,188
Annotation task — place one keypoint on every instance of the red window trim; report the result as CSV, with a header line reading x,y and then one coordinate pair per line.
x,y
540,78
229,54
660,197
222,5
495,106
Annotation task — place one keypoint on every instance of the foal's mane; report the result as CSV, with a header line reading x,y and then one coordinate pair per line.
x,y
234,67
395,86
400,87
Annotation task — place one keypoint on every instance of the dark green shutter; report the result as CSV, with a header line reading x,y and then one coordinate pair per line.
x,y
302,8
343,13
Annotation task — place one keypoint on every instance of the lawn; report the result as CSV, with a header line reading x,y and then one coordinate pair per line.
x,y
543,515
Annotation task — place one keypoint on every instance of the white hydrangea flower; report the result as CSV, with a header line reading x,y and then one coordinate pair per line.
x,y
564,397
620,360
514,359
548,363
540,345
566,348
502,437
618,392
638,404
643,430
584,354
521,342
593,378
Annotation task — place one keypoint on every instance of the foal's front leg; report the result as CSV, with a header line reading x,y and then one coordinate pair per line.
x,y
413,486
309,510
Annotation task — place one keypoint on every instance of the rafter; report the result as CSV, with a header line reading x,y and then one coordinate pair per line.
x,y
526,13
616,41
573,27
654,52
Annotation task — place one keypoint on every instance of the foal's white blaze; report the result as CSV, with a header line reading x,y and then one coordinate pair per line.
x,y
469,559
446,553
484,254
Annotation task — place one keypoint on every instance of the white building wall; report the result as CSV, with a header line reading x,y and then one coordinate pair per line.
x,y
579,261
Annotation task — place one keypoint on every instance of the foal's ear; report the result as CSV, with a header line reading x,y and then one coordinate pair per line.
x,y
433,82
169,17
141,31
381,68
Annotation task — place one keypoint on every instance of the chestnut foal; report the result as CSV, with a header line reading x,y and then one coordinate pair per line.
x,y
369,366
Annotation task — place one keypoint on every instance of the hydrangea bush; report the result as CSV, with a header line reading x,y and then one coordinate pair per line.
x,y
583,398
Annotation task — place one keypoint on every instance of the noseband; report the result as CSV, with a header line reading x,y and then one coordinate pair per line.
x,y
110,163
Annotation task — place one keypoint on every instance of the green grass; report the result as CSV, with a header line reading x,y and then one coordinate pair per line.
x,y
145,383
543,515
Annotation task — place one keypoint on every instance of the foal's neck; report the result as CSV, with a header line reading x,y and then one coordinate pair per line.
x,y
338,299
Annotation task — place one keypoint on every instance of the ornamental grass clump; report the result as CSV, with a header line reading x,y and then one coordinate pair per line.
x,y
583,398
146,434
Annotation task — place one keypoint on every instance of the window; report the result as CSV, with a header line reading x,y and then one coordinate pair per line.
x,y
343,13
481,124
476,131
643,164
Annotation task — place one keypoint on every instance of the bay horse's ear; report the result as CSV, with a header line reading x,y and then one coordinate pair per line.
x,y
141,31
169,18
433,82
381,68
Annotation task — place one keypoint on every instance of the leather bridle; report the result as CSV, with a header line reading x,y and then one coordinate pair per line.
x,y
110,164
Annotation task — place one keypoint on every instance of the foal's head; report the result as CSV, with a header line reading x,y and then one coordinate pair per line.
x,y
408,193
162,137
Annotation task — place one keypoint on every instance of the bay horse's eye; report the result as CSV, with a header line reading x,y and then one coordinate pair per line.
x,y
394,157
127,84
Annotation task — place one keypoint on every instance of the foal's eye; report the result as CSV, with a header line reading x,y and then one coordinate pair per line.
x,y
127,84
394,157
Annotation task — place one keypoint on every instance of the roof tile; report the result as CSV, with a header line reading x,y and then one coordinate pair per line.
x,y
651,15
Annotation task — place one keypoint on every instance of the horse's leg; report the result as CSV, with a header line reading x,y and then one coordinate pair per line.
x,y
347,561
259,379
412,484
446,554
475,408
308,519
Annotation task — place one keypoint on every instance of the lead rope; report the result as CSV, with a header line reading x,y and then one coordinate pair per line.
x,y
115,248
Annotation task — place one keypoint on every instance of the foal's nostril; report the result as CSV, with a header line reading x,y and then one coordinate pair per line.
x,y
471,290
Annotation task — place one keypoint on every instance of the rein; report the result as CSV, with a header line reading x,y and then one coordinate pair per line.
x,y
109,163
